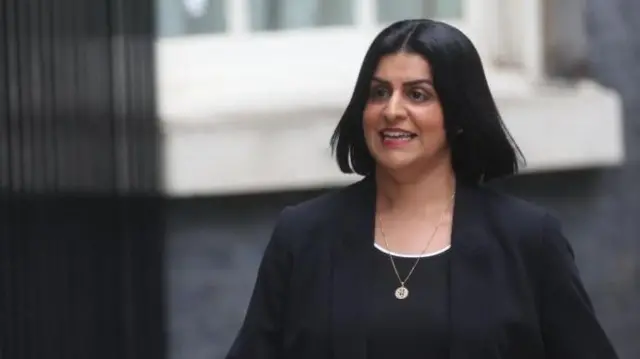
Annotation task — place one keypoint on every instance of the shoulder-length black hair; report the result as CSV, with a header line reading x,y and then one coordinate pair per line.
x,y
481,147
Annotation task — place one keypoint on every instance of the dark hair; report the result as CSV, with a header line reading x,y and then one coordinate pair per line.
x,y
481,147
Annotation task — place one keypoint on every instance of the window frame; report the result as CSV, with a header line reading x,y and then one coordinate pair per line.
x,y
365,17
204,77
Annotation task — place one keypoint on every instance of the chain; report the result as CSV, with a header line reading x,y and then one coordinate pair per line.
x,y
435,230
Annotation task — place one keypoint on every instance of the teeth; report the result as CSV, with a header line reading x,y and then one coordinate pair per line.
x,y
398,135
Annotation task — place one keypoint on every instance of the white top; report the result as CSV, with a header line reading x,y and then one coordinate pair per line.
x,y
428,254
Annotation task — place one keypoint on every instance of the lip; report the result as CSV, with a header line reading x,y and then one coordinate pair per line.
x,y
396,142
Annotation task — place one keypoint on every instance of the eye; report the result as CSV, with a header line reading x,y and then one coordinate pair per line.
x,y
378,92
418,95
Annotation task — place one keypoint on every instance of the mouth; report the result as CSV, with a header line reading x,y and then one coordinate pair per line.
x,y
396,137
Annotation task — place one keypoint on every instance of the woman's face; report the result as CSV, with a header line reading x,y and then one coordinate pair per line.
x,y
403,120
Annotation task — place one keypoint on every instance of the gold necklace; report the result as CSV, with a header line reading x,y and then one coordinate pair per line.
x,y
402,292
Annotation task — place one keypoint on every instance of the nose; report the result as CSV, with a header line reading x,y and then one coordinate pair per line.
x,y
394,109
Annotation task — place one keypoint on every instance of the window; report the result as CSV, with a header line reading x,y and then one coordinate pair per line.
x,y
194,17
190,17
393,10
293,14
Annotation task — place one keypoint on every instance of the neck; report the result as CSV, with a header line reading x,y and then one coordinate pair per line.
x,y
413,195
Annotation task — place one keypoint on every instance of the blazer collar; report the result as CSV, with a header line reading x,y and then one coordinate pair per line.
x,y
357,216
352,268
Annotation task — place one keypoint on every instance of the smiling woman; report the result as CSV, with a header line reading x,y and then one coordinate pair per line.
x,y
402,88
420,259
427,76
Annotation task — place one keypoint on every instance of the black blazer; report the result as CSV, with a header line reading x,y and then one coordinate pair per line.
x,y
515,290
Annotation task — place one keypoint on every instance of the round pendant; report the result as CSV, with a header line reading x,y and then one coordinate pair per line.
x,y
402,292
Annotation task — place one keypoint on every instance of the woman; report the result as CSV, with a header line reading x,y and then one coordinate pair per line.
x,y
420,259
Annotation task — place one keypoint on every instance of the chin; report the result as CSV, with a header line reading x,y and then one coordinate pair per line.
x,y
397,163
409,162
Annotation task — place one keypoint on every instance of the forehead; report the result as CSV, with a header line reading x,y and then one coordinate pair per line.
x,y
403,66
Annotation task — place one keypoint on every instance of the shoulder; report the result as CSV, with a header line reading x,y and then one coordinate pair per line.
x,y
511,208
519,220
322,211
319,209
537,235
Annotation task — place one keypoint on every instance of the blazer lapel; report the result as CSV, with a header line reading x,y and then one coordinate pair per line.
x,y
352,271
471,294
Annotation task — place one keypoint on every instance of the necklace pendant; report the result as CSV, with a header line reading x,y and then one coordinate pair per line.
x,y
402,292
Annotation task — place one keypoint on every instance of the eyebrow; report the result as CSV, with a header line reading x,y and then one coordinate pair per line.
x,y
408,83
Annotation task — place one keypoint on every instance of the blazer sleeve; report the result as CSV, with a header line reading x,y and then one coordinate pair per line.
x,y
569,325
260,335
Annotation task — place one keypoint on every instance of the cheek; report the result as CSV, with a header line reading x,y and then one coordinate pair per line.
x,y
370,118
430,121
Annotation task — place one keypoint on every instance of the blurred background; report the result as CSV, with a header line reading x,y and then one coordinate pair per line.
x,y
146,147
